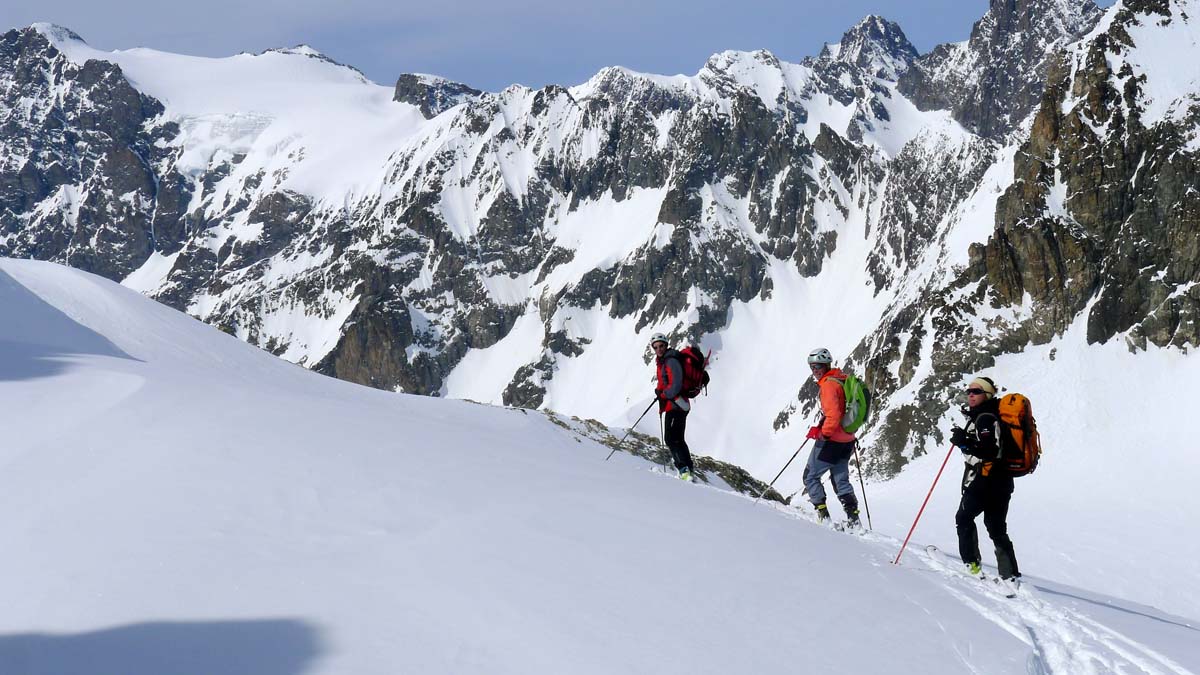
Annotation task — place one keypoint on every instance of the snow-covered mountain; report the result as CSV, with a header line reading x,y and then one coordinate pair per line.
x,y
1019,203
177,501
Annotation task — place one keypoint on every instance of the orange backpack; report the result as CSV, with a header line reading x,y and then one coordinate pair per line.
x,y
1022,444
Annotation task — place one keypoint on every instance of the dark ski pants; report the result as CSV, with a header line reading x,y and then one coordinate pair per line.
x,y
989,496
674,424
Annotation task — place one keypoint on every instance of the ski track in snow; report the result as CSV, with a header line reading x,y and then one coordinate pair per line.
x,y
1062,641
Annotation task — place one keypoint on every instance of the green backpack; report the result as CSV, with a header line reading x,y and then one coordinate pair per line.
x,y
858,403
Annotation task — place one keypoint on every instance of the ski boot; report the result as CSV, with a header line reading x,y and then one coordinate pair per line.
x,y
822,513
1010,586
850,504
974,569
686,474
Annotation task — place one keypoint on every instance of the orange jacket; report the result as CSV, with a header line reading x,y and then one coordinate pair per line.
x,y
833,406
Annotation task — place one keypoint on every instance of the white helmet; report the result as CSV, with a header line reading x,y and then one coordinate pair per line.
x,y
658,337
820,355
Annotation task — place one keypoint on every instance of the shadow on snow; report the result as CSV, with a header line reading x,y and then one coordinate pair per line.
x,y
260,647
40,343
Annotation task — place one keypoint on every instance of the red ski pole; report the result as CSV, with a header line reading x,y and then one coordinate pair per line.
x,y
914,525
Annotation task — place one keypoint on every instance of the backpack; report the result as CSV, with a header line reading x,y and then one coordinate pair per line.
x,y
858,403
1021,447
695,377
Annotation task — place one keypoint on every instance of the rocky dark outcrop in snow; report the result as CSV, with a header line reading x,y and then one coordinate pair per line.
x,y
994,80
432,95
1126,237
78,137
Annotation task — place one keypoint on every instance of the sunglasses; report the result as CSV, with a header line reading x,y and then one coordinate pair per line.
x,y
976,391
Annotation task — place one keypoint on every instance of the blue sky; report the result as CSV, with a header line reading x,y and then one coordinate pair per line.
x,y
490,44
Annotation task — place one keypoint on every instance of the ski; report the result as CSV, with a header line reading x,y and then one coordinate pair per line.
x,y
849,527
1009,588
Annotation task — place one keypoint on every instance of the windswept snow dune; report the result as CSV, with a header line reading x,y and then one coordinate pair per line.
x,y
175,500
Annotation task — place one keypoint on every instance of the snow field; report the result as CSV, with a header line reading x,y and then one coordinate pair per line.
x,y
231,494
233,486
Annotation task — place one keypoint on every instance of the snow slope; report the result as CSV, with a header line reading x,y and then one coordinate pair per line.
x,y
177,501
275,107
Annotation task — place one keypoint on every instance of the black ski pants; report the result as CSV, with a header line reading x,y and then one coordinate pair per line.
x,y
674,424
988,495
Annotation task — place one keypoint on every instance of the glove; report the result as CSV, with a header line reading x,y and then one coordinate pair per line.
x,y
658,395
959,437
814,433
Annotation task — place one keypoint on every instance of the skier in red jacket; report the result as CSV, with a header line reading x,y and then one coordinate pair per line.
x,y
672,404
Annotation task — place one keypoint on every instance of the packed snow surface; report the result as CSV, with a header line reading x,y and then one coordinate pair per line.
x,y
178,501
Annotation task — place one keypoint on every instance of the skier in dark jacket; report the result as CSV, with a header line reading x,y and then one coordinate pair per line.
x,y
672,404
987,486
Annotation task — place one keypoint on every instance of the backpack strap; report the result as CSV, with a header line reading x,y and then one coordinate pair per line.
x,y
997,429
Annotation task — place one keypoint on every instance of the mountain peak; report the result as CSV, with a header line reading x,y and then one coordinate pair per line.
x,y
57,37
733,59
301,49
1005,59
875,44
56,34
312,53
1044,22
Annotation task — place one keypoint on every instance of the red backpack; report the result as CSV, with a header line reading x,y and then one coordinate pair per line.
x,y
695,377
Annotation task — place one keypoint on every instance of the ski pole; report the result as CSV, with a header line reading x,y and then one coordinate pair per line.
x,y
914,525
639,419
785,466
858,461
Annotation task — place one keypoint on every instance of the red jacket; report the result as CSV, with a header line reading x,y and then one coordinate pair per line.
x,y
833,406
670,381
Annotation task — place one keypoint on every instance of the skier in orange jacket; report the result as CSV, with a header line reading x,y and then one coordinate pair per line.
x,y
834,445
